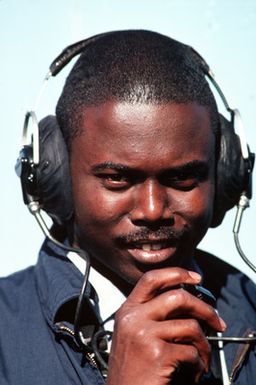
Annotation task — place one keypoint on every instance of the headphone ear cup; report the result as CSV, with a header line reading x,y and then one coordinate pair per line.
x,y
53,175
230,172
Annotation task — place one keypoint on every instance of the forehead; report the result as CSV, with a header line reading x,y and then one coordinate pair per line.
x,y
134,132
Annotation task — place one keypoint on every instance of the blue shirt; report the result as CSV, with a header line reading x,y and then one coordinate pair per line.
x,y
34,348
37,346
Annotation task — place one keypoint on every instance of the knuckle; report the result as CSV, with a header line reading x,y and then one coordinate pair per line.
x,y
149,278
181,297
128,320
125,316
192,354
208,349
128,324
142,335
122,315
181,274
156,351
194,326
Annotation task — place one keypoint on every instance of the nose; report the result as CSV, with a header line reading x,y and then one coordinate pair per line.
x,y
151,203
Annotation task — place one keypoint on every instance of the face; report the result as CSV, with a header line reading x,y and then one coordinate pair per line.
x,y
143,185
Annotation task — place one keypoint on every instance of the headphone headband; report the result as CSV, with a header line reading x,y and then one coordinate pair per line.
x,y
70,52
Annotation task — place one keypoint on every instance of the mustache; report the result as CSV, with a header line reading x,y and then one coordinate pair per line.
x,y
144,234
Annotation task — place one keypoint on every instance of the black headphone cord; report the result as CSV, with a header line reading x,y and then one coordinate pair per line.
x,y
34,208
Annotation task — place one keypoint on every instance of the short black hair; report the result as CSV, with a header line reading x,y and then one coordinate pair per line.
x,y
132,66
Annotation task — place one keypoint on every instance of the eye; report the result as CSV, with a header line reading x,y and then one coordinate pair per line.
x,y
114,180
185,178
180,181
185,184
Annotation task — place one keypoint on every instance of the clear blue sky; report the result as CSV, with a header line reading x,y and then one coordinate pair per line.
x,y
34,32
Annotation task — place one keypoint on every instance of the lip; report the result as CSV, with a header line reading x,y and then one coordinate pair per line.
x,y
152,256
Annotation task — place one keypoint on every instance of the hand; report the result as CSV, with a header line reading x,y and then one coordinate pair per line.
x,y
158,331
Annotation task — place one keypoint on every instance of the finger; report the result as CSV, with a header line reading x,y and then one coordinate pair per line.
x,y
185,357
178,303
184,331
156,280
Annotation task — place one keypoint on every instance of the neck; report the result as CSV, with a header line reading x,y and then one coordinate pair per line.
x,y
120,283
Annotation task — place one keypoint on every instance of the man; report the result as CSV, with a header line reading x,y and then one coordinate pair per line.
x,y
142,131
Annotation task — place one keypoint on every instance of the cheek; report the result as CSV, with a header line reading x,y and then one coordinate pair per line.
x,y
95,205
196,206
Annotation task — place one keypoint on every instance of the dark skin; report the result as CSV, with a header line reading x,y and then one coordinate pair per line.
x,y
143,185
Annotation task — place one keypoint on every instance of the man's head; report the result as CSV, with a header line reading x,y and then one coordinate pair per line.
x,y
133,66
140,122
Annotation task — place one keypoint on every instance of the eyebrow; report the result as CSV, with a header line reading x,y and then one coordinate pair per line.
x,y
195,165
110,165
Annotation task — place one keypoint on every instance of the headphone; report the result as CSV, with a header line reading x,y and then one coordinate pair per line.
x,y
43,164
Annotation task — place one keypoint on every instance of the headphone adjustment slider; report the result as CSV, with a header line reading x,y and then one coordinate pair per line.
x,y
33,207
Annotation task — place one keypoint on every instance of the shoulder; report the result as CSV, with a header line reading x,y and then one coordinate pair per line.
x,y
17,292
20,313
216,271
227,282
18,279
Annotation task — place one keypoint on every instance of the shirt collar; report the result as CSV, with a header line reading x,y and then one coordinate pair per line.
x,y
110,298
58,279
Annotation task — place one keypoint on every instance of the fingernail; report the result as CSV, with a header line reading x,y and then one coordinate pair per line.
x,y
223,324
197,277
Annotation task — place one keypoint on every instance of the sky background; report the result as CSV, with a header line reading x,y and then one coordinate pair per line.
x,y
33,33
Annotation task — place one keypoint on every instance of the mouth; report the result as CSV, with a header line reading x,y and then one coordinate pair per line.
x,y
150,246
151,252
